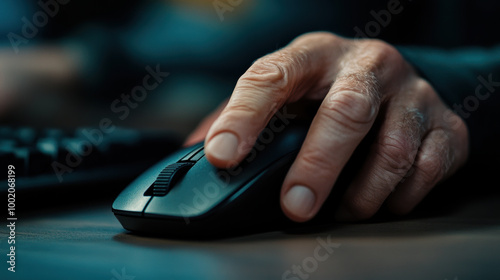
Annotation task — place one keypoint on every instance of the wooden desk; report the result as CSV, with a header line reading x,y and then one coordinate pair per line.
x,y
87,242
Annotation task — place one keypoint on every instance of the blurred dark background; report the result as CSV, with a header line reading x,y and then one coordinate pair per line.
x,y
85,54
66,70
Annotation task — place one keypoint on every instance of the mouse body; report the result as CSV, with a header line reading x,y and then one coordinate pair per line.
x,y
184,195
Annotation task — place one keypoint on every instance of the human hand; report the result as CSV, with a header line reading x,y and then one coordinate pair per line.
x,y
419,141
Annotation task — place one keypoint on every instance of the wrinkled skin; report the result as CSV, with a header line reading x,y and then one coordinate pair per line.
x,y
419,141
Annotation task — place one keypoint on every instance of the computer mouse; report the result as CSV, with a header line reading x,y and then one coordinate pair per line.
x,y
184,195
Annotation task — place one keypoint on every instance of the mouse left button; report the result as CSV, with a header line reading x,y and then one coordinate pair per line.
x,y
131,201
130,204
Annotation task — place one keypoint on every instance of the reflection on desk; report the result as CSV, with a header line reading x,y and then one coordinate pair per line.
x,y
87,242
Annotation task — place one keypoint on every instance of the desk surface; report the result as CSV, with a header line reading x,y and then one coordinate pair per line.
x,y
89,243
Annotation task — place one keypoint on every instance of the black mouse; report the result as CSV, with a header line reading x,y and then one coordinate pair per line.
x,y
185,196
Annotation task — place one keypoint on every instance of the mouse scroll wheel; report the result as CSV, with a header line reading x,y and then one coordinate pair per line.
x,y
167,178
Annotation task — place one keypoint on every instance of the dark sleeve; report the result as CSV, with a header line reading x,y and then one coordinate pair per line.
x,y
468,81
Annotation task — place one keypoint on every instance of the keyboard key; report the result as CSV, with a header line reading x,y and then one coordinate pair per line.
x,y
82,151
7,144
54,133
48,158
26,135
48,146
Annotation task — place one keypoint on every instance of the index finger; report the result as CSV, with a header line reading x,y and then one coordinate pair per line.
x,y
285,75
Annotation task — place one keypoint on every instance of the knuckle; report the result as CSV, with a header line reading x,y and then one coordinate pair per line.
x,y
266,71
382,52
422,85
380,58
431,172
413,124
316,36
457,127
432,167
363,80
316,161
461,129
396,154
240,110
350,109
276,73
424,88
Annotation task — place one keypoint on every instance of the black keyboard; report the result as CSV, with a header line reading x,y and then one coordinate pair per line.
x,y
50,158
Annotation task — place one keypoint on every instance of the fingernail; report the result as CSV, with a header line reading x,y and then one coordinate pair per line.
x,y
223,146
299,200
